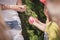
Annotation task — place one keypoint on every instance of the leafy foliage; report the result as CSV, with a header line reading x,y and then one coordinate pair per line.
x,y
35,9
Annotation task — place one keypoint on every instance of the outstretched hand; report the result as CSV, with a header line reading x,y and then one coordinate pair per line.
x,y
33,20
37,23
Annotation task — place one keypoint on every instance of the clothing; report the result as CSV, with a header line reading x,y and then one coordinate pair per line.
x,y
14,25
45,36
15,30
12,20
8,2
9,15
53,30
15,34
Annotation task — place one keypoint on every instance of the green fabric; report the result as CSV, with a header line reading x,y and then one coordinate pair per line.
x,y
52,30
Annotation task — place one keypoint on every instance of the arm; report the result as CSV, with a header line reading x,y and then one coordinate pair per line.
x,y
47,14
23,7
41,26
34,21
18,7
8,7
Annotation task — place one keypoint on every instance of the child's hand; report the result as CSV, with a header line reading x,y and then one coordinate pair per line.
x,y
37,23
31,20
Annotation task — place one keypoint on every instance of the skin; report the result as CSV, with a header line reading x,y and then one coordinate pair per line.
x,y
3,27
41,26
18,7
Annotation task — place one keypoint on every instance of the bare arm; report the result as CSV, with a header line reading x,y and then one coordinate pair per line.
x,y
41,26
47,14
34,21
18,7
23,7
9,7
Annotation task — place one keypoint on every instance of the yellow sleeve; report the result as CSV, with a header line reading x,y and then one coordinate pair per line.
x,y
52,30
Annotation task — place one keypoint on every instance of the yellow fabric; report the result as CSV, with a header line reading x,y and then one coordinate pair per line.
x,y
52,30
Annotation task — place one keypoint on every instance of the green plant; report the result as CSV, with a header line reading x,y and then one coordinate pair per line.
x,y
35,9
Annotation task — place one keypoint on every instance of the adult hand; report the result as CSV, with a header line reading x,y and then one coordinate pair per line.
x,y
22,8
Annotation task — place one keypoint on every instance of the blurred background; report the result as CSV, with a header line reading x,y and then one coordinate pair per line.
x,y
34,8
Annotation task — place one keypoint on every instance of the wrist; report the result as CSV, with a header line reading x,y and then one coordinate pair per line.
x,y
14,7
10,6
35,24
4,7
